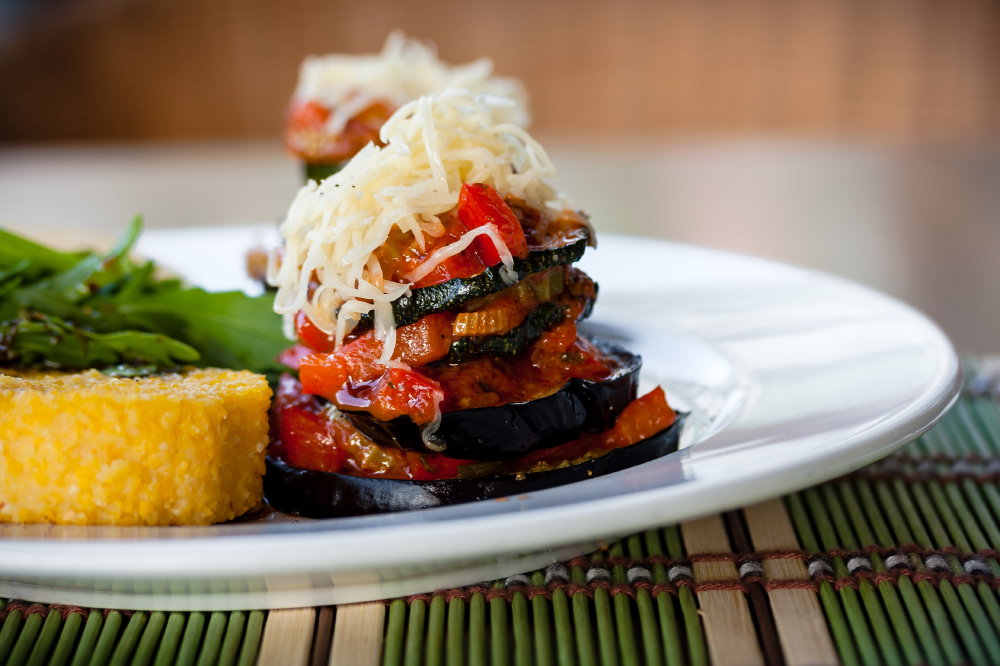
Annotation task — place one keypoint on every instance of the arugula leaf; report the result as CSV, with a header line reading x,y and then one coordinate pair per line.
x,y
10,272
51,341
9,278
14,249
72,309
76,283
230,329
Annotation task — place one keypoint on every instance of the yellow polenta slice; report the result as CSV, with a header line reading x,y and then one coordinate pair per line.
x,y
182,448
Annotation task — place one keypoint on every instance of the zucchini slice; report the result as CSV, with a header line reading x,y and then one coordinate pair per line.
x,y
327,495
424,301
517,428
539,320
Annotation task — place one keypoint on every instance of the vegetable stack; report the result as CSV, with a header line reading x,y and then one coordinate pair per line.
x,y
430,286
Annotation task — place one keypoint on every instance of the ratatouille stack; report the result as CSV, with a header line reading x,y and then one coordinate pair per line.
x,y
342,100
430,287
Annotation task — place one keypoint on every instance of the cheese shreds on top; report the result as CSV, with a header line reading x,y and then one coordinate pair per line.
x,y
433,145
405,70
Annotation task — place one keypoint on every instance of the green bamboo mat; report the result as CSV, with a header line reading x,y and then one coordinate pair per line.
x,y
894,564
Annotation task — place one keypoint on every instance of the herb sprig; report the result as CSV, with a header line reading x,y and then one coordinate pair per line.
x,y
90,310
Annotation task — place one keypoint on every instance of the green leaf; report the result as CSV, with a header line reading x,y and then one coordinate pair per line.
x,y
14,249
51,341
230,329
127,241
74,284
10,278
14,270
90,310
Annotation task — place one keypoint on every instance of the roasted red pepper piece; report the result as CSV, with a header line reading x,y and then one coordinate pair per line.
x,y
479,205
416,344
325,374
553,343
641,419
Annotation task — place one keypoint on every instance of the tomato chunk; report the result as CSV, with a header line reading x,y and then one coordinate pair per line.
x,y
479,205
306,134
312,440
310,335
311,115
417,344
397,392
465,264
643,418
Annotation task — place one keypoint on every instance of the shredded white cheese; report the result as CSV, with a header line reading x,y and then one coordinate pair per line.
x,y
405,70
433,145
428,432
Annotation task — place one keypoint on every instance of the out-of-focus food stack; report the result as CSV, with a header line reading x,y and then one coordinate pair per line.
x,y
342,101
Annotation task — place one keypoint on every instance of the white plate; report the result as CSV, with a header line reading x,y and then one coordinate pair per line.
x,y
792,377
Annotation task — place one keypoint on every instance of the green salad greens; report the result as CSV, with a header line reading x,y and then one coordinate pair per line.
x,y
88,310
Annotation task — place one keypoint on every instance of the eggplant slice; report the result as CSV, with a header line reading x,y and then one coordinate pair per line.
x,y
327,495
518,428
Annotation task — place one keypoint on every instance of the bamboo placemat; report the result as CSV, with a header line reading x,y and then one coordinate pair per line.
x,y
894,564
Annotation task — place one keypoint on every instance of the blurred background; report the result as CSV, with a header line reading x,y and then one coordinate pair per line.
x,y
859,138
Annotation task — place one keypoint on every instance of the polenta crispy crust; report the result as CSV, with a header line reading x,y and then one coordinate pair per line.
x,y
181,448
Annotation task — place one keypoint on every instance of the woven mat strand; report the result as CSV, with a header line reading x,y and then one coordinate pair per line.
x,y
895,564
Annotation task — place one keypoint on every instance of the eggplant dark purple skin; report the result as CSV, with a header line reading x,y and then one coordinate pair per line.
x,y
327,495
518,428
